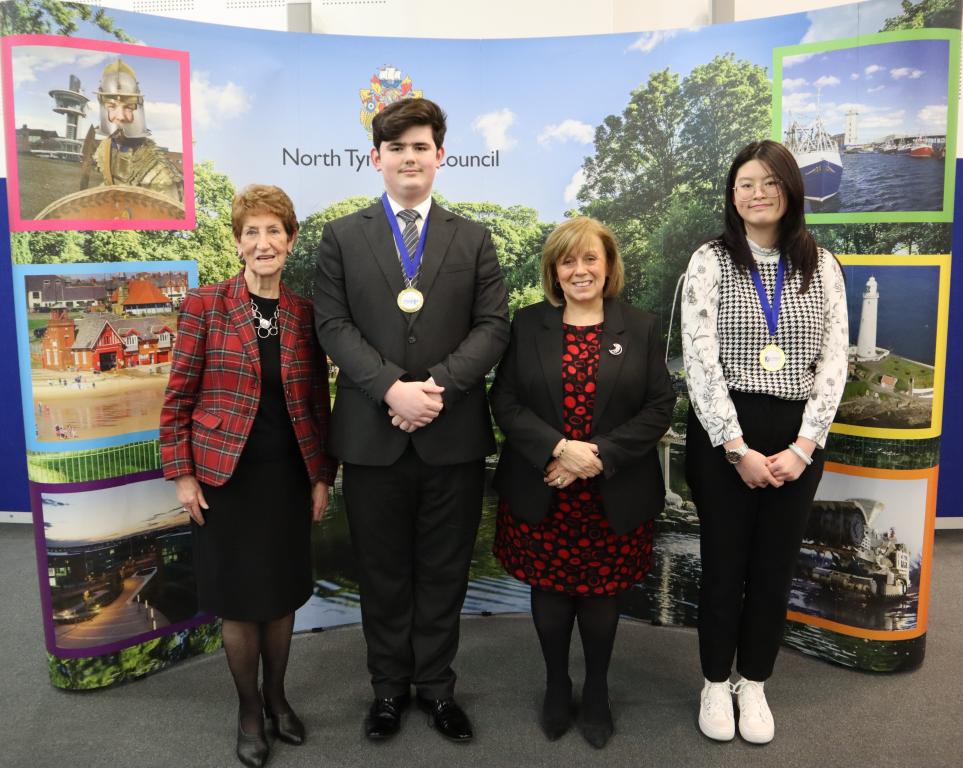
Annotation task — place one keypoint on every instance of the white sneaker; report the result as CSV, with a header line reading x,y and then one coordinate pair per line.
x,y
755,719
715,711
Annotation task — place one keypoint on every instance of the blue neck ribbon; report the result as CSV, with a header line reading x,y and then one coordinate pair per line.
x,y
770,311
410,263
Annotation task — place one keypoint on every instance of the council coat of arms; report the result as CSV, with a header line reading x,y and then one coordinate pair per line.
x,y
387,87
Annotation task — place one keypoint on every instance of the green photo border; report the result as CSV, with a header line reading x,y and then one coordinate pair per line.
x,y
953,78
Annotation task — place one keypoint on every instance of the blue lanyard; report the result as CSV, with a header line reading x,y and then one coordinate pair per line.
x,y
410,263
770,311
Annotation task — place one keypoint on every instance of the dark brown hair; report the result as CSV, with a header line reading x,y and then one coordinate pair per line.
x,y
573,235
258,199
401,115
794,241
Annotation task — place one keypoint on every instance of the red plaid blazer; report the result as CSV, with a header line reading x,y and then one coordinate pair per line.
x,y
215,384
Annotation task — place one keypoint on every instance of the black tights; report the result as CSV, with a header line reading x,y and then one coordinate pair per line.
x,y
247,645
554,615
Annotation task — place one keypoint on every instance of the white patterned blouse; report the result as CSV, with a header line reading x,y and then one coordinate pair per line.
x,y
724,330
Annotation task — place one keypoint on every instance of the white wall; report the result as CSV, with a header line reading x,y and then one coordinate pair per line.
x,y
435,18
755,9
462,18
503,18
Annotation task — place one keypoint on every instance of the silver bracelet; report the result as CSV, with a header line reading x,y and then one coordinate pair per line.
x,y
564,443
800,453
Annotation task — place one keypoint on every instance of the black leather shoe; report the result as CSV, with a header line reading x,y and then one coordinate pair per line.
x,y
252,749
384,717
556,717
448,718
287,726
597,732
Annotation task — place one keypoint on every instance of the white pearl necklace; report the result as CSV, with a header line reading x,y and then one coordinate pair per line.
x,y
265,327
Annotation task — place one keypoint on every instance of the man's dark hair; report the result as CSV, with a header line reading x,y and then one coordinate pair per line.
x,y
398,117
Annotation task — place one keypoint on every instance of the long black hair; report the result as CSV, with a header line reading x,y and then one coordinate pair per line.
x,y
794,241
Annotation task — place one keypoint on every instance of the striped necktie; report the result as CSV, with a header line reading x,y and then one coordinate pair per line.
x,y
410,235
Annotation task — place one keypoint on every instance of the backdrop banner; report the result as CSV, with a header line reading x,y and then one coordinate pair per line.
x,y
108,229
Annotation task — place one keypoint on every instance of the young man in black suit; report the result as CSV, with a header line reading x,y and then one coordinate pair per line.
x,y
412,308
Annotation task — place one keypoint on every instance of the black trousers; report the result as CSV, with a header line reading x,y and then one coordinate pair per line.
x,y
749,539
413,529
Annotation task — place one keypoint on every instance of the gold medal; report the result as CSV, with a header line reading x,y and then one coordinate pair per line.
x,y
410,300
772,358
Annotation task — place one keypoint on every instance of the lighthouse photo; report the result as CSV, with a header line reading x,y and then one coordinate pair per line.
x,y
897,345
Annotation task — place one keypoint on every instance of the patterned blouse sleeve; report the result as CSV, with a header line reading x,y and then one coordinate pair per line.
x,y
834,356
708,390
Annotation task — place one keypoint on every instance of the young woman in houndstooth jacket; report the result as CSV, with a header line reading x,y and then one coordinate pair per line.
x,y
764,338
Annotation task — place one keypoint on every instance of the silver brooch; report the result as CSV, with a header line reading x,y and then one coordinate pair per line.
x,y
616,350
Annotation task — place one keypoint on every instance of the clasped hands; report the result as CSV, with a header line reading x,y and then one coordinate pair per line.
x,y
758,470
413,404
574,460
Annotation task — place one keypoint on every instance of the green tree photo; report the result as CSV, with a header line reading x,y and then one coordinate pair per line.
x,y
927,13
45,17
659,168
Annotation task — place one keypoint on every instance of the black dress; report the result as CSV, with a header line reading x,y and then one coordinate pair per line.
x,y
573,550
252,557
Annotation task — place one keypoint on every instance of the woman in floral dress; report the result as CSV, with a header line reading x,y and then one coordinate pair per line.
x,y
583,397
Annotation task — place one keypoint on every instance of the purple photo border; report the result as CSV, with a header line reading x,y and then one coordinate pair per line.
x,y
50,636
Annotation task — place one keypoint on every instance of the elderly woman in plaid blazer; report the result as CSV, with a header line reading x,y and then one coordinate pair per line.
x,y
242,435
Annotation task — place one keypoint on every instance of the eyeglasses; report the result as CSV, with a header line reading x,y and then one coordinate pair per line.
x,y
746,190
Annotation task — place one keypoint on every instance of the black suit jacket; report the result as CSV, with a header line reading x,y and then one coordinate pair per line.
x,y
633,409
457,337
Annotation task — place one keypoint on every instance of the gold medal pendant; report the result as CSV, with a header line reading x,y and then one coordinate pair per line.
x,y
772,358
410,300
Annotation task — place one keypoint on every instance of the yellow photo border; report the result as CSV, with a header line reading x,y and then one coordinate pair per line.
x,y
939,363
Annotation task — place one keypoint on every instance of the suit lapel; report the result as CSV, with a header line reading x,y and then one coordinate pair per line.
x,y
549,345
377,232
288,328
239,309
441,230
611,355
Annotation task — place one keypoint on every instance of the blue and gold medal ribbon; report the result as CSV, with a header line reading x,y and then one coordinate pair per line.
x,y
410,263
769,311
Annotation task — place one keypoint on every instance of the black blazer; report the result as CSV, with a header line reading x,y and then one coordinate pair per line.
x,y
457,337
633,409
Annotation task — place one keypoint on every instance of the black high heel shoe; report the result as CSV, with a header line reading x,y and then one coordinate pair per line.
x,y
287,726
252,749
596,732
556,715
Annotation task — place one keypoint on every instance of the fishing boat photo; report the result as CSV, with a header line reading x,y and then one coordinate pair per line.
x,y
921,148
817,156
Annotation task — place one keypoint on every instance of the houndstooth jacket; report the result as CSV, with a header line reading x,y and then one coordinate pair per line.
x,y
723,331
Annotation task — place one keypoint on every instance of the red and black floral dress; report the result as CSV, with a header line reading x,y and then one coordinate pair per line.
x,y
573,550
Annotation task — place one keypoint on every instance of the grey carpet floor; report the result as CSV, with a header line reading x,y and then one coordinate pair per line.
x,y
825,715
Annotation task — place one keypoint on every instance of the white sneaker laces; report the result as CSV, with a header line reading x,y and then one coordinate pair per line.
x,y
717,701
752,699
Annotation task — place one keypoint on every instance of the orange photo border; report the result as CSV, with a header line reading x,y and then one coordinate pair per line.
x,y
929,474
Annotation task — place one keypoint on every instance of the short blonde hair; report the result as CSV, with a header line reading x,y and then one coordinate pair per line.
x,y
259,199
570,236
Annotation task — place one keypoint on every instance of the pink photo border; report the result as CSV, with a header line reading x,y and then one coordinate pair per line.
x,y
18,224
